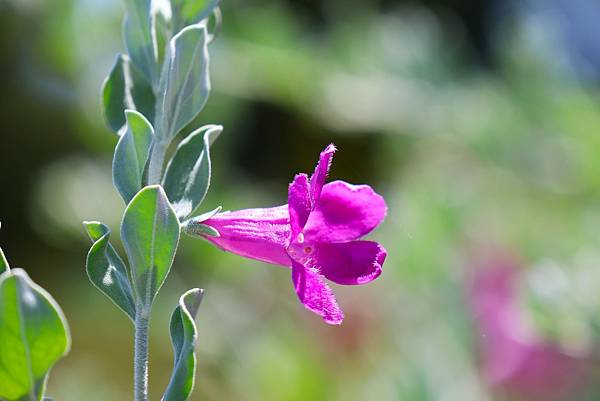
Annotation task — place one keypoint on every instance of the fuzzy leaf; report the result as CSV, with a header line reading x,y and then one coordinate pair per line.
x,y
125,88
37,392
196,229
139,39
4,266
205,216
184,84
183,337
150,233
131,155
187,12
107,271
3,262
163,27
187,177
33,336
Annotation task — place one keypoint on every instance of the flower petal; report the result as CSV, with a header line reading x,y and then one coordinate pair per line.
x,y
261,234
317,180
344,212
314,293
299,203
350,263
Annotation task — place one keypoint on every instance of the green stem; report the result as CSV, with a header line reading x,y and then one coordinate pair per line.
x,y
140,357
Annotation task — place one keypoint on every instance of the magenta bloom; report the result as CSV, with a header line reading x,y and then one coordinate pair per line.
x,y
317,234
515,359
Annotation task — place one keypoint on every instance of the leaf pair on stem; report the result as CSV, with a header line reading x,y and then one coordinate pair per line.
x,y
150,232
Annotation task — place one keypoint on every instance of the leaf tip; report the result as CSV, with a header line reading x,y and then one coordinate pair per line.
x,y
191,300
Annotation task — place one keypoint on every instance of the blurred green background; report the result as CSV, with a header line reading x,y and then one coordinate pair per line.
x,y
479,121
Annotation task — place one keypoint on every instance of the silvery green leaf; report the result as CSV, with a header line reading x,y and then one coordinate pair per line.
x,y
107,271
139,40
150,233
185,12
33,336
4,266
187,176
3,262
131,155
184,336
205,216
125,88
36,393
184,83
162,27
195,229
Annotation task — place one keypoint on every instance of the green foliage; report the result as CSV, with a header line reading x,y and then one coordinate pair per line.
x,y
187,177
125,88
197,230
184,83
161,85
131,155
139,39
190,12
3,262
183,337
107,271
33,336
205,216
150,233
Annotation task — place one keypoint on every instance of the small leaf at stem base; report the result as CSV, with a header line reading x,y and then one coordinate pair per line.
x,y
183,336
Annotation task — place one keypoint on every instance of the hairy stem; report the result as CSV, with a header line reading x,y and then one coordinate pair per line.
x,y
140,361
155,165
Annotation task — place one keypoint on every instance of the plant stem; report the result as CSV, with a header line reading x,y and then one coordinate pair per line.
x,y
140,361
142,315
155,165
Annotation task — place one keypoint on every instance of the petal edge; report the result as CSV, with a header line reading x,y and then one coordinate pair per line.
x,y
315,294
351,263
345,212
317,180
299,203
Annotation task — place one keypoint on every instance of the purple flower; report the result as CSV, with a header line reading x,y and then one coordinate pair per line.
x,y
317,234
515,359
